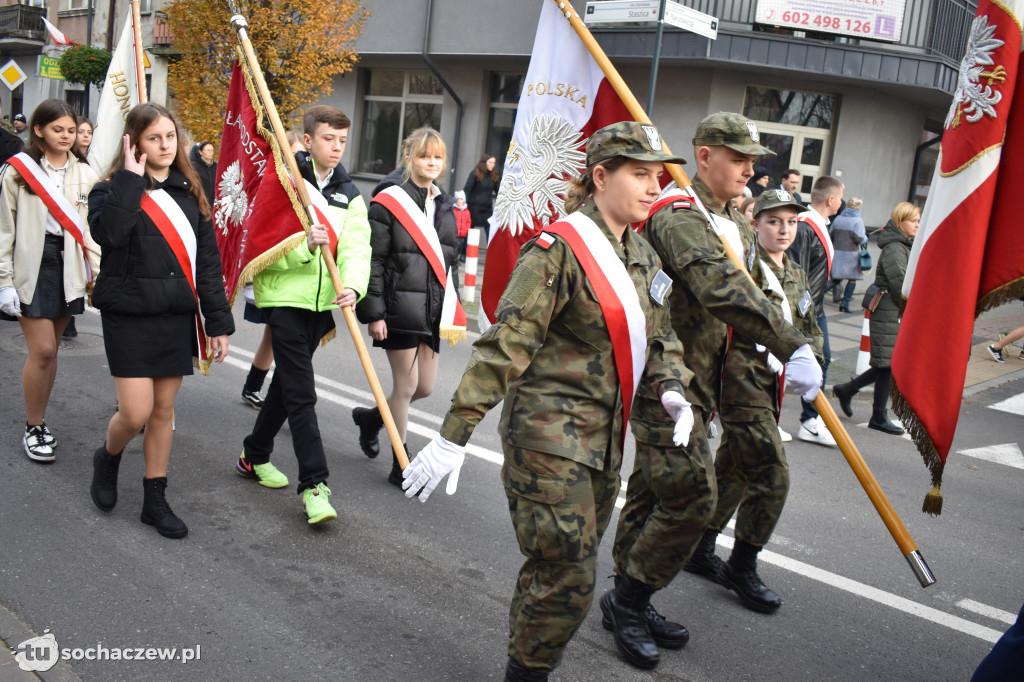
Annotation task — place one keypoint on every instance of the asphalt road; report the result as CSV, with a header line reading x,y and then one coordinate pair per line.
x,y
397,590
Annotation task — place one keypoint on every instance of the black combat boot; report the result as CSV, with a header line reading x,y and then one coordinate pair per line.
x,y
517,672
104,479
665,633
156,511
624,607
395,477
879,414
704,561
369,421
740,574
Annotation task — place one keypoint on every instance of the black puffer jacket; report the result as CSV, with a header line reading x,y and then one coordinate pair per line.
x,y
809,253
139,274
403,290
339,190
889,275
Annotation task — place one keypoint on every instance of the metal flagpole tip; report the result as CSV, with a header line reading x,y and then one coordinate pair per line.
x,y
920,568
239,22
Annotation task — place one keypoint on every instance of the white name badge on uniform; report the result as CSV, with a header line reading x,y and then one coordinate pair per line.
x,y
660,286
804,304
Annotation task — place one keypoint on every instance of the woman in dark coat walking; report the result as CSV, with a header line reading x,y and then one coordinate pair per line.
x,y
160,266
403,301
848,234
481,187
206,168
896,240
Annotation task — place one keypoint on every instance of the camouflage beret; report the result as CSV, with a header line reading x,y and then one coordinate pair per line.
x,y
639,141
733,131
774,198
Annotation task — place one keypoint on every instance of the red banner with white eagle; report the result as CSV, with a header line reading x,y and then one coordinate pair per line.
x,y
564,100
968,255
256,212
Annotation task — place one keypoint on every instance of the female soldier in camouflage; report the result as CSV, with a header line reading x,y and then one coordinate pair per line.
x,y
572,339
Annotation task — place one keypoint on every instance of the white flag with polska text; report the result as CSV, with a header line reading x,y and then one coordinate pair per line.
x,y
120,93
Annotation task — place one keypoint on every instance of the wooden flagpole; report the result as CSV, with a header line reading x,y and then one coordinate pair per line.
x,y
239,23
853,457
140,57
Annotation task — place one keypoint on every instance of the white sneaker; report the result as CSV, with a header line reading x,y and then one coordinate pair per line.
x,y
814,431
784,435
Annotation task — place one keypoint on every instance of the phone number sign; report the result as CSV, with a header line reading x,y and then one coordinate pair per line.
x,y
875,19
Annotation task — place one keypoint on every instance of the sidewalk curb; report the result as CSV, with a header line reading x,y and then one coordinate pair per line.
x,y
13,632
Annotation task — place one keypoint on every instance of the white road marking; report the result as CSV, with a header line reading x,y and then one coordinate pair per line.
x,y
800,568
1013,405
988,611
1008,454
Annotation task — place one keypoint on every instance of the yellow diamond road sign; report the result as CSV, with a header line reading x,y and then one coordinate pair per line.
x,y
12,75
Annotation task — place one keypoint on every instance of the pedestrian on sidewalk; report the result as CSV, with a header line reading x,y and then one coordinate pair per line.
x,y
46,253
896,240
463,222
160,269
848,236
481,188
996,349
405,299
584,293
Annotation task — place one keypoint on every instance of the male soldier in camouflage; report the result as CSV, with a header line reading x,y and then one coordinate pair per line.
x,y
750,465
550,357
672,490
10,143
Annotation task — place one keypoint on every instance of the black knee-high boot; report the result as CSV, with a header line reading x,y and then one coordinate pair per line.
x,y
879,414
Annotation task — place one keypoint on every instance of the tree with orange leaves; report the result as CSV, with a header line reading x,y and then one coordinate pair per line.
x,y
301,46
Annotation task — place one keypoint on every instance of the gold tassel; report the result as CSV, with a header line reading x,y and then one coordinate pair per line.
x,y
933,502
328,337
453,335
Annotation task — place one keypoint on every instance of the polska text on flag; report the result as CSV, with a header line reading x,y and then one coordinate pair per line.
x,y
565,98
968,256
120,93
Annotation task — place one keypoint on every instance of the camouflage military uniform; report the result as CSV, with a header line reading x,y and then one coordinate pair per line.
x,y
750,464
8,126
672,491
549,357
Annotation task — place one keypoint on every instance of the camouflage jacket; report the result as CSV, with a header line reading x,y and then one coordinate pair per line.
x,y
8,126
549,356
709,294
747,382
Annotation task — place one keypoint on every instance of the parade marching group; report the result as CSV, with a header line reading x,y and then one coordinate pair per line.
x,y
625,313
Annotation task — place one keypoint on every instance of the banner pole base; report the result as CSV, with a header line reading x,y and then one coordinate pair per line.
x,y
920,568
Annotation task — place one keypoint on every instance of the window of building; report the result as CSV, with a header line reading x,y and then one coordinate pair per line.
x,y
505,91
394,104
36,3
75,4
789,107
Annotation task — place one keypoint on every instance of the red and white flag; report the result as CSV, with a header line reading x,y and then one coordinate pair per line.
x,y
55,33
256,210
968,255
565,99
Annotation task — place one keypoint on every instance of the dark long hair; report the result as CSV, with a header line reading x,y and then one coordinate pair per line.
x,y
141,117
481,169
46,113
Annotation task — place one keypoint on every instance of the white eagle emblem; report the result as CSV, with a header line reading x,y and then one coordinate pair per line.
x,y
232,202
537,172
972,100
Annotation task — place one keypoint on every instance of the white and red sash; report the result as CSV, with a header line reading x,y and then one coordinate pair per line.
x,y
56,203
325,216
787,313
400,204
616,294
817,223
176,229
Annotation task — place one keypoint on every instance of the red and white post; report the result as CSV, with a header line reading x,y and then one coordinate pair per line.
x,y
472,256
864,356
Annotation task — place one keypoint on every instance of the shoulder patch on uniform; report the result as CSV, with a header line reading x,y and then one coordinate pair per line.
x,y
545,240
682,203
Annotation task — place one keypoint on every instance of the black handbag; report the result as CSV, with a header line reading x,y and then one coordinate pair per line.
x,y
872,297
865,258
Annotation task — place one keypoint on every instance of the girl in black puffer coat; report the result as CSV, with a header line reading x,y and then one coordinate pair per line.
x,y
403,301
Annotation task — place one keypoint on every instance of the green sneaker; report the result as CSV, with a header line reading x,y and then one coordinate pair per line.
x,y
266,474
315,504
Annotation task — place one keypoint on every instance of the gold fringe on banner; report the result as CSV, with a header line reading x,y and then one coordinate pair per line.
x,y
1004,293
933,500
453,335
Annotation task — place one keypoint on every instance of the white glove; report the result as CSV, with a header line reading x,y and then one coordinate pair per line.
x,y
681,413
773,362
9,302
803,373
249,294
440,458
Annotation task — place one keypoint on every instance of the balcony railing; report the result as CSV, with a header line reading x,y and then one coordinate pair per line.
x,y
22,21
936,27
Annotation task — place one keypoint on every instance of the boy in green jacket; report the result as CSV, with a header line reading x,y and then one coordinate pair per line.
x,y
296,295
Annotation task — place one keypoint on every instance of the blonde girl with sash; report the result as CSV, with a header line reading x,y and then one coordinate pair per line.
x,y
45,254
160,268
414,239
584,319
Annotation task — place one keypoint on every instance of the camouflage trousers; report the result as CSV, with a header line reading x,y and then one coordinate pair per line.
x,y
560,509
669,501
753,477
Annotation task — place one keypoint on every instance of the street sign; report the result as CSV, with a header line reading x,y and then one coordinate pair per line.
x,y
49,67
12,75
691,20
622,12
